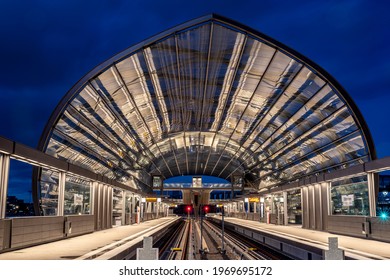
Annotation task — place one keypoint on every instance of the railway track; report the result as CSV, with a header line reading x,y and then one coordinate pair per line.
x,y
192,239
175,245
244,247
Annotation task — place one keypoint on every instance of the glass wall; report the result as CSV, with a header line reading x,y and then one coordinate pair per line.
x,y
171,194
48,185
117,204
268,204
77,196
128,207
350,196
19,198
294,207
383,203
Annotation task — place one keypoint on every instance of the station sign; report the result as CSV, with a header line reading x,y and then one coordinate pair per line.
x,y
151,199
78,199
254,199
348,200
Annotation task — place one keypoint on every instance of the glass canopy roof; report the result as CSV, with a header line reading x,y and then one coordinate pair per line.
x,y
210,97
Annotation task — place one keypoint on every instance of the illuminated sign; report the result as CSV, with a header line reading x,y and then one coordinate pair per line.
x,y
78,199
196,182
348,200
254,199
151,199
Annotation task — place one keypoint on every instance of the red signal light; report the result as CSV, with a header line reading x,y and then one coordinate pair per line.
x,y
188,209
206,209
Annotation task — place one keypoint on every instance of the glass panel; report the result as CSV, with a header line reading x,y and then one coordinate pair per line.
x,y
48,185
162,64
19,199
110,85
332,154
294,207
280,73
129,208
117,204
89,104
383,202
341,124
350,196
224,55
139,74
77,196
322,105
193,48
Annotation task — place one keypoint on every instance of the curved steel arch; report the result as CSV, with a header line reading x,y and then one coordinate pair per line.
x,y
214,97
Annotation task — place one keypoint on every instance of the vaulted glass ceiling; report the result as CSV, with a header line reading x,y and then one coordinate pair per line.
x,y
208,97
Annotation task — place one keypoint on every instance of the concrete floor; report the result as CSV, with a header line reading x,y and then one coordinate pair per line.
x,y
369,248
76,247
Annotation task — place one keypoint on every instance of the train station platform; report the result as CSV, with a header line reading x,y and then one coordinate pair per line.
x,y
356,248
91,245
88,246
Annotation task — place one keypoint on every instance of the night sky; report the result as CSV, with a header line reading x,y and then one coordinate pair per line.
x,y
47,46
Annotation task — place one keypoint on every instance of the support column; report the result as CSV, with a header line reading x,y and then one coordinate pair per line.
x,y
61,193
372,193
95,203
103,206
109,208
312,209
92,199
133,201
325,204
124,201
4,175
285,210
261,208
305,207
330,203
149,207
317,205
232,192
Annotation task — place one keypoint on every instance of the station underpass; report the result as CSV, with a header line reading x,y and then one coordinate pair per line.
x,y
210,97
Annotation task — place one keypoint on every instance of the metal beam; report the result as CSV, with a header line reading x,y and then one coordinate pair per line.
x,y
123,85
243,112
109,143
308,154
204,96
312,129
137,142
235,67
258,122
182,103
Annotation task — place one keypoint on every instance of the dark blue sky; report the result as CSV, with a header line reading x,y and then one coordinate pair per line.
x,y
47,46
